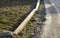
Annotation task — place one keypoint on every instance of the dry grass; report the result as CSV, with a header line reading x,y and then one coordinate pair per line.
x,y
11,12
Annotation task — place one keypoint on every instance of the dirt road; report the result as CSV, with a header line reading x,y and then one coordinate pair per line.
x,y
51,28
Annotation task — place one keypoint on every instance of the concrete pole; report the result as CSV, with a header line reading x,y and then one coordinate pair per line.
x,y
23,24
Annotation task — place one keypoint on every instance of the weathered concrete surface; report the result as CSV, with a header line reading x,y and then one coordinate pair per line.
x,y
6,35
51,28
